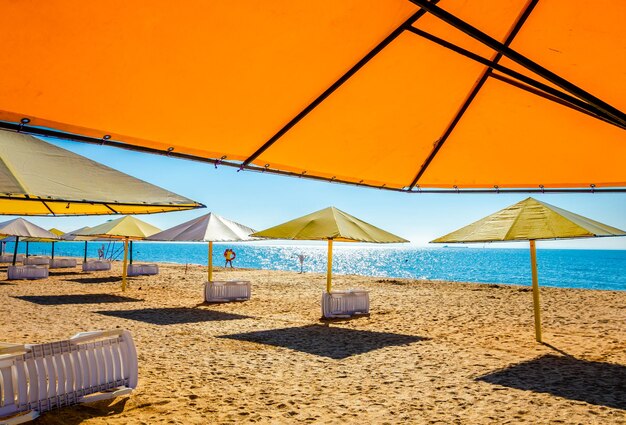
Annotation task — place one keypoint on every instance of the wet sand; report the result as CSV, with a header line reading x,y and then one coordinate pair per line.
x,y
430,352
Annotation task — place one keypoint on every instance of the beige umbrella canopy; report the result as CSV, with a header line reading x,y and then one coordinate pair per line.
x,y
37,178
207,228
125,228
19,227
75,235
530,220
329,224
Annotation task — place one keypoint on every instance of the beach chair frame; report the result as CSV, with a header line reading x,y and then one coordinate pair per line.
x,y
62,263
96,265
27,272
142,269
88,367
226,291
342,304
8,258
36,260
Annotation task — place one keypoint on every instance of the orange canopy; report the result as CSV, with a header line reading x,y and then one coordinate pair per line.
x,y
390,93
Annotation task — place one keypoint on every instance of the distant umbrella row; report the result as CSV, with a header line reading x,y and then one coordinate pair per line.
x,y
527,220
68,184
327,224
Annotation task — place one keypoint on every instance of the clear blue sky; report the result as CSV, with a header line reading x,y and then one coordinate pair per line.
x,y
264,200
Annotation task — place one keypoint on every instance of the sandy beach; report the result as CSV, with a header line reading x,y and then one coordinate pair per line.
x,y
430,352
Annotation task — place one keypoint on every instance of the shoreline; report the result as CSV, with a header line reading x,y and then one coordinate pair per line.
x,y
428,352
336,273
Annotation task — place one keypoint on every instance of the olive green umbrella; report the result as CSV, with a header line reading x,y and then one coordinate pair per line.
x,y
125,228
530,220
329,224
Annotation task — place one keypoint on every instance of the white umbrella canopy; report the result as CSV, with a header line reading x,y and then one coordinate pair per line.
x,y
76,236
19,227
207,228
23,228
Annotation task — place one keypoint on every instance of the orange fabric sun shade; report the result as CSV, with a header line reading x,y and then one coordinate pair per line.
x,y
397,94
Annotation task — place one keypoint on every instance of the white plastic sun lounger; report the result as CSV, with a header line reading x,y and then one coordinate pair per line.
x,y
345,303
96,265
36,260
62,263
27,272
225,291
142,269
88,367
8,258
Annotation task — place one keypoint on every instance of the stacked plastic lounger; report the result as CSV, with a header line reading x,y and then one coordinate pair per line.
x,y
142,269
88,367
62,263
96,265
8,258
224,291
36,261
27,272
345,303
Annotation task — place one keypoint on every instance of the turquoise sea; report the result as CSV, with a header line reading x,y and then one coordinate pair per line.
x,y
566,268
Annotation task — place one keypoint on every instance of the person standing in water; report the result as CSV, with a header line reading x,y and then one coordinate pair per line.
x,y
301,258
229,256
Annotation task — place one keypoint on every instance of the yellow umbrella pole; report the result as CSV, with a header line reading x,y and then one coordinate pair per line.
x,y
125,264
329,267
533,265
210,262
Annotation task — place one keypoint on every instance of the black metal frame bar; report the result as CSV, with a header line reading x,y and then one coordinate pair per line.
x,y
330,90
550,96
589,105
531,85
521,59
472,94
46,205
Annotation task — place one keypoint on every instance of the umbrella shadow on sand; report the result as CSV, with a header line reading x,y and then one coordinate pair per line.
x,y
90,280
76,299
173,316
568,377
327,341
64,273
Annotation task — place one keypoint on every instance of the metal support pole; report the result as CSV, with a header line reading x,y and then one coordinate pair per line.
x,y
85,257
125,264
53,250
210,261
537,308
26,248
131,252
329,267
17,239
